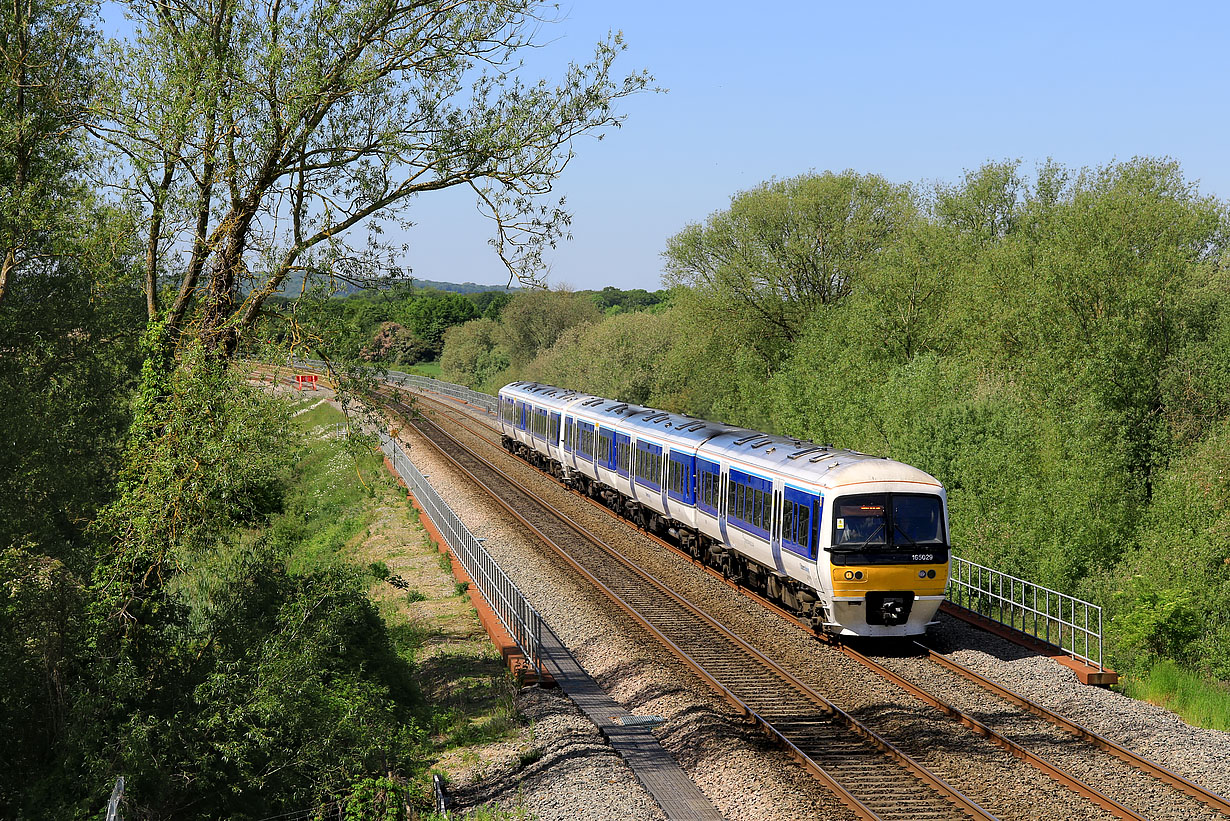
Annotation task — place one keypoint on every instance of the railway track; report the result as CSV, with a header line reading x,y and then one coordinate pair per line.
x,y
1120,789
866,772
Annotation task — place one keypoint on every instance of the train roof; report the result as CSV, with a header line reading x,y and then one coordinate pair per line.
x,y
807,461
676,426
544,395
811,462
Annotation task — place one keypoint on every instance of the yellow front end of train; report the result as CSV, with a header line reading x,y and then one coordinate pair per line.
x,y
888,561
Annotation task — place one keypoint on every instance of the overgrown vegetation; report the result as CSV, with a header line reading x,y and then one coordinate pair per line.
x,y
1053,346
172,609
1191,695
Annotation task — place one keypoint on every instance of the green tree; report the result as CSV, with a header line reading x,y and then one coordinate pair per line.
x,y
619,357
787,249
256,137
490,303
44,49
986,206
533,320
473,356
430,316
67,361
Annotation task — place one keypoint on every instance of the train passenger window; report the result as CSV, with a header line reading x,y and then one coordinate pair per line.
x,y
758,512
803,528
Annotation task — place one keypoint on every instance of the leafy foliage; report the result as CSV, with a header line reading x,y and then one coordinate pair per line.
x,y
1052,346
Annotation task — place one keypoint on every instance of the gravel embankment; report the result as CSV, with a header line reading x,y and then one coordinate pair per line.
x,y
745,779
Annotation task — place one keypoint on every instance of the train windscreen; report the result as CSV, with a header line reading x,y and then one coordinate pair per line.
x,y
887,521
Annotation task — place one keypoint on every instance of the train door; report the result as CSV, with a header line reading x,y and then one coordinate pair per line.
x,y
775,530
801,522
623,453
606,448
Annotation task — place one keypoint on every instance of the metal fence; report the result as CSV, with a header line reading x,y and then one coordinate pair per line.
x,y
408,380
520,619
482,400
1069,623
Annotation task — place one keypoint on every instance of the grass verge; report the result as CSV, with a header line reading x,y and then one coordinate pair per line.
x,y
1198,700
430,369
346,508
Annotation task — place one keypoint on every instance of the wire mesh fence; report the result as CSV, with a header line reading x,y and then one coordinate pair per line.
x,y
519,618
1069,623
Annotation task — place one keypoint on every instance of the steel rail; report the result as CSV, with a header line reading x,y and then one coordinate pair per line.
x,y
1062,776
945,791
1166,776
1189,788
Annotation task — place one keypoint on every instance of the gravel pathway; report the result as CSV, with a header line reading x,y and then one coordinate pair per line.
x,y
559,769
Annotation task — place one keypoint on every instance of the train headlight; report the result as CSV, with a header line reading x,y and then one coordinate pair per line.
x,y
849,575
922,574
930,574
858,574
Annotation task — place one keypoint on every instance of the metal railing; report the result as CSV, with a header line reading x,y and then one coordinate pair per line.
x,y
408,380
482,400
1069,623
519,618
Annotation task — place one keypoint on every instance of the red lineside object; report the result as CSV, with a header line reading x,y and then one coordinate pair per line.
x,y
302,379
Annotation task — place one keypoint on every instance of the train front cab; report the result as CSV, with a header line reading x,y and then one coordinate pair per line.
x,y
888,556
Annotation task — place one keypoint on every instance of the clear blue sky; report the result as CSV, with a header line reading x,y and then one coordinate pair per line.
x,y
917,92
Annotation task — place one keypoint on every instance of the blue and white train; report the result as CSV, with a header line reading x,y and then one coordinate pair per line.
x,y
853,544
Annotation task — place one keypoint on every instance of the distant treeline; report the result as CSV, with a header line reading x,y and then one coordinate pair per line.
x,y
1054,346
406,323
